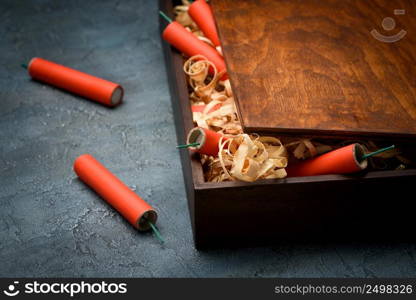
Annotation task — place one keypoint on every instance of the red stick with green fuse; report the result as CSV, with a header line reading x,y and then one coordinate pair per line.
x,y
203,141
132,207
345,160
80,83
186,42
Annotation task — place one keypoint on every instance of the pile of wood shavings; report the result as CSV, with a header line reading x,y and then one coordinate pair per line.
x,y
245,157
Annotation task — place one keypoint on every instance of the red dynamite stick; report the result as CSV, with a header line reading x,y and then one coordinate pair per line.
x,y
208,141
344,160
183,40
201,13
77,82
115,192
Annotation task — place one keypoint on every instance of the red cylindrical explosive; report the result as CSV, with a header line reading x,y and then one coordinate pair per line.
x,y
115,192
208,141
201,13
344,160
186,42
77,82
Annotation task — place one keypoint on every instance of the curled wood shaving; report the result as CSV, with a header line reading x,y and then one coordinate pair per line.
x,y
223,120
197,68
227,86
183,18
206,40
219,49
209,90
249,158
305,148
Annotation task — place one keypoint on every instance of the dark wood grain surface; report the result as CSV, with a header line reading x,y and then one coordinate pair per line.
x,y
313,67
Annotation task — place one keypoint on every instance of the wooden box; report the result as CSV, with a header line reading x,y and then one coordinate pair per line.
x,y
373,205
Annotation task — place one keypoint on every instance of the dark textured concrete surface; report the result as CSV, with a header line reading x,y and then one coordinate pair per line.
x,y
51,224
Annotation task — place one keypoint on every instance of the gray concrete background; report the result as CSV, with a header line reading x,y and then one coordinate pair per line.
x,y
53,225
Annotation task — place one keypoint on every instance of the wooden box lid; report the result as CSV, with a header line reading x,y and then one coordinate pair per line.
x,y
322,67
